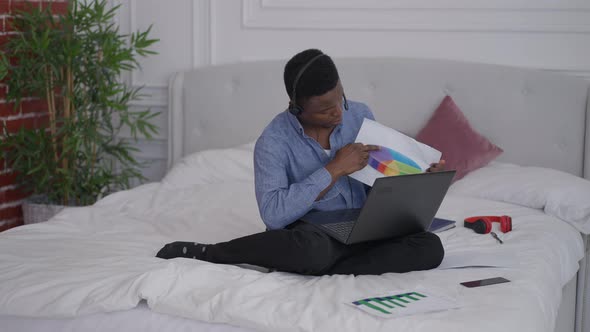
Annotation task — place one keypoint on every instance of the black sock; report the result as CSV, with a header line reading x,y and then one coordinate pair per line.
x,y
183,249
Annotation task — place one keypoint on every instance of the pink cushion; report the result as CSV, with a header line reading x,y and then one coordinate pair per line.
x,y
463,149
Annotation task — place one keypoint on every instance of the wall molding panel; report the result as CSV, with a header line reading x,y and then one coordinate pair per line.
x,y
443,5
203,32
381,15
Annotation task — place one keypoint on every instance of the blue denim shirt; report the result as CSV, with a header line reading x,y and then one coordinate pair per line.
x,y
289,169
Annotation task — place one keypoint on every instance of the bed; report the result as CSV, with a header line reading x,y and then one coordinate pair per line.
x,y
93,268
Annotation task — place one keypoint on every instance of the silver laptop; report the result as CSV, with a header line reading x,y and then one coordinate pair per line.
x,y
396,206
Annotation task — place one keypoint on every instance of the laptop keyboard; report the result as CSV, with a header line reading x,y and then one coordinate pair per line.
x,y
340,228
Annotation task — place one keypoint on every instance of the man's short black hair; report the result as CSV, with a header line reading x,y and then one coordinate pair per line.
x,y
320,77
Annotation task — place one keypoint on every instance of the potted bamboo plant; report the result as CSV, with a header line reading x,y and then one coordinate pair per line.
x,y
73,63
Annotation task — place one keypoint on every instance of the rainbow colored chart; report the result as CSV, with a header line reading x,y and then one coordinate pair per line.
x,y
390,162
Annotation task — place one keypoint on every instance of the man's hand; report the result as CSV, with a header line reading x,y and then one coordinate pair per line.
x,y
349,159
437,167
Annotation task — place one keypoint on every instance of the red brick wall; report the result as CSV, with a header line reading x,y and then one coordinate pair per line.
x,y
30,114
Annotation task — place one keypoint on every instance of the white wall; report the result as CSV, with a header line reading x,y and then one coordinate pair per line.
x,y
545,34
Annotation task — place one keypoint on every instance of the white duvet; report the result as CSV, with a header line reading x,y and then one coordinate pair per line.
x,y
101,258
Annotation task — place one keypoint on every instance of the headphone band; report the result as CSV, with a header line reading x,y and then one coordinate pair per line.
x,y
490,218
299,74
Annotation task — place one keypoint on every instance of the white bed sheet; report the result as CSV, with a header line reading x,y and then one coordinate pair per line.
x,y
100,259
139,319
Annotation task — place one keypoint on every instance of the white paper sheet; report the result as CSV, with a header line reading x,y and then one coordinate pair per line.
x,y
403,303
372,132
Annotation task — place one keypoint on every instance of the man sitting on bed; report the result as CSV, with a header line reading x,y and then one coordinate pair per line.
x,y
302,161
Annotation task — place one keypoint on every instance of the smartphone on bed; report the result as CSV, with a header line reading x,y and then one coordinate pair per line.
x,y
484,282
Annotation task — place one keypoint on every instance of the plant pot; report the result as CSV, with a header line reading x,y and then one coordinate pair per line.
x,y
37,209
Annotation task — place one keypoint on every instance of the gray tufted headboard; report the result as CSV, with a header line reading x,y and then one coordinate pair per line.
x,y
538,118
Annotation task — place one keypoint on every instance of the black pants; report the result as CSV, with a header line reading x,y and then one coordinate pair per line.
x,y
304,249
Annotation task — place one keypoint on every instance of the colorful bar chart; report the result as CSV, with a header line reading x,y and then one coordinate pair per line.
x,y
403,304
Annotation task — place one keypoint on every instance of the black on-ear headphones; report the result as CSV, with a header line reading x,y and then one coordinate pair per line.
x,y
293,107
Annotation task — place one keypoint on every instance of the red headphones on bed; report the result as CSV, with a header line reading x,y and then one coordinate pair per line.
x,y
483,224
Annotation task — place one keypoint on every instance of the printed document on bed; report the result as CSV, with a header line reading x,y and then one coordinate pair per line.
x,y
403,303
398,154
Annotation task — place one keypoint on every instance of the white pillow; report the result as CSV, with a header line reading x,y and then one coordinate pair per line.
x,y
559,194
213,166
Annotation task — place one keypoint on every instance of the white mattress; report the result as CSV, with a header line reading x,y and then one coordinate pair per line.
x,y
101,259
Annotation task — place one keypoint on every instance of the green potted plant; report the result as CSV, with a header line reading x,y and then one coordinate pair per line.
x,y
73,63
